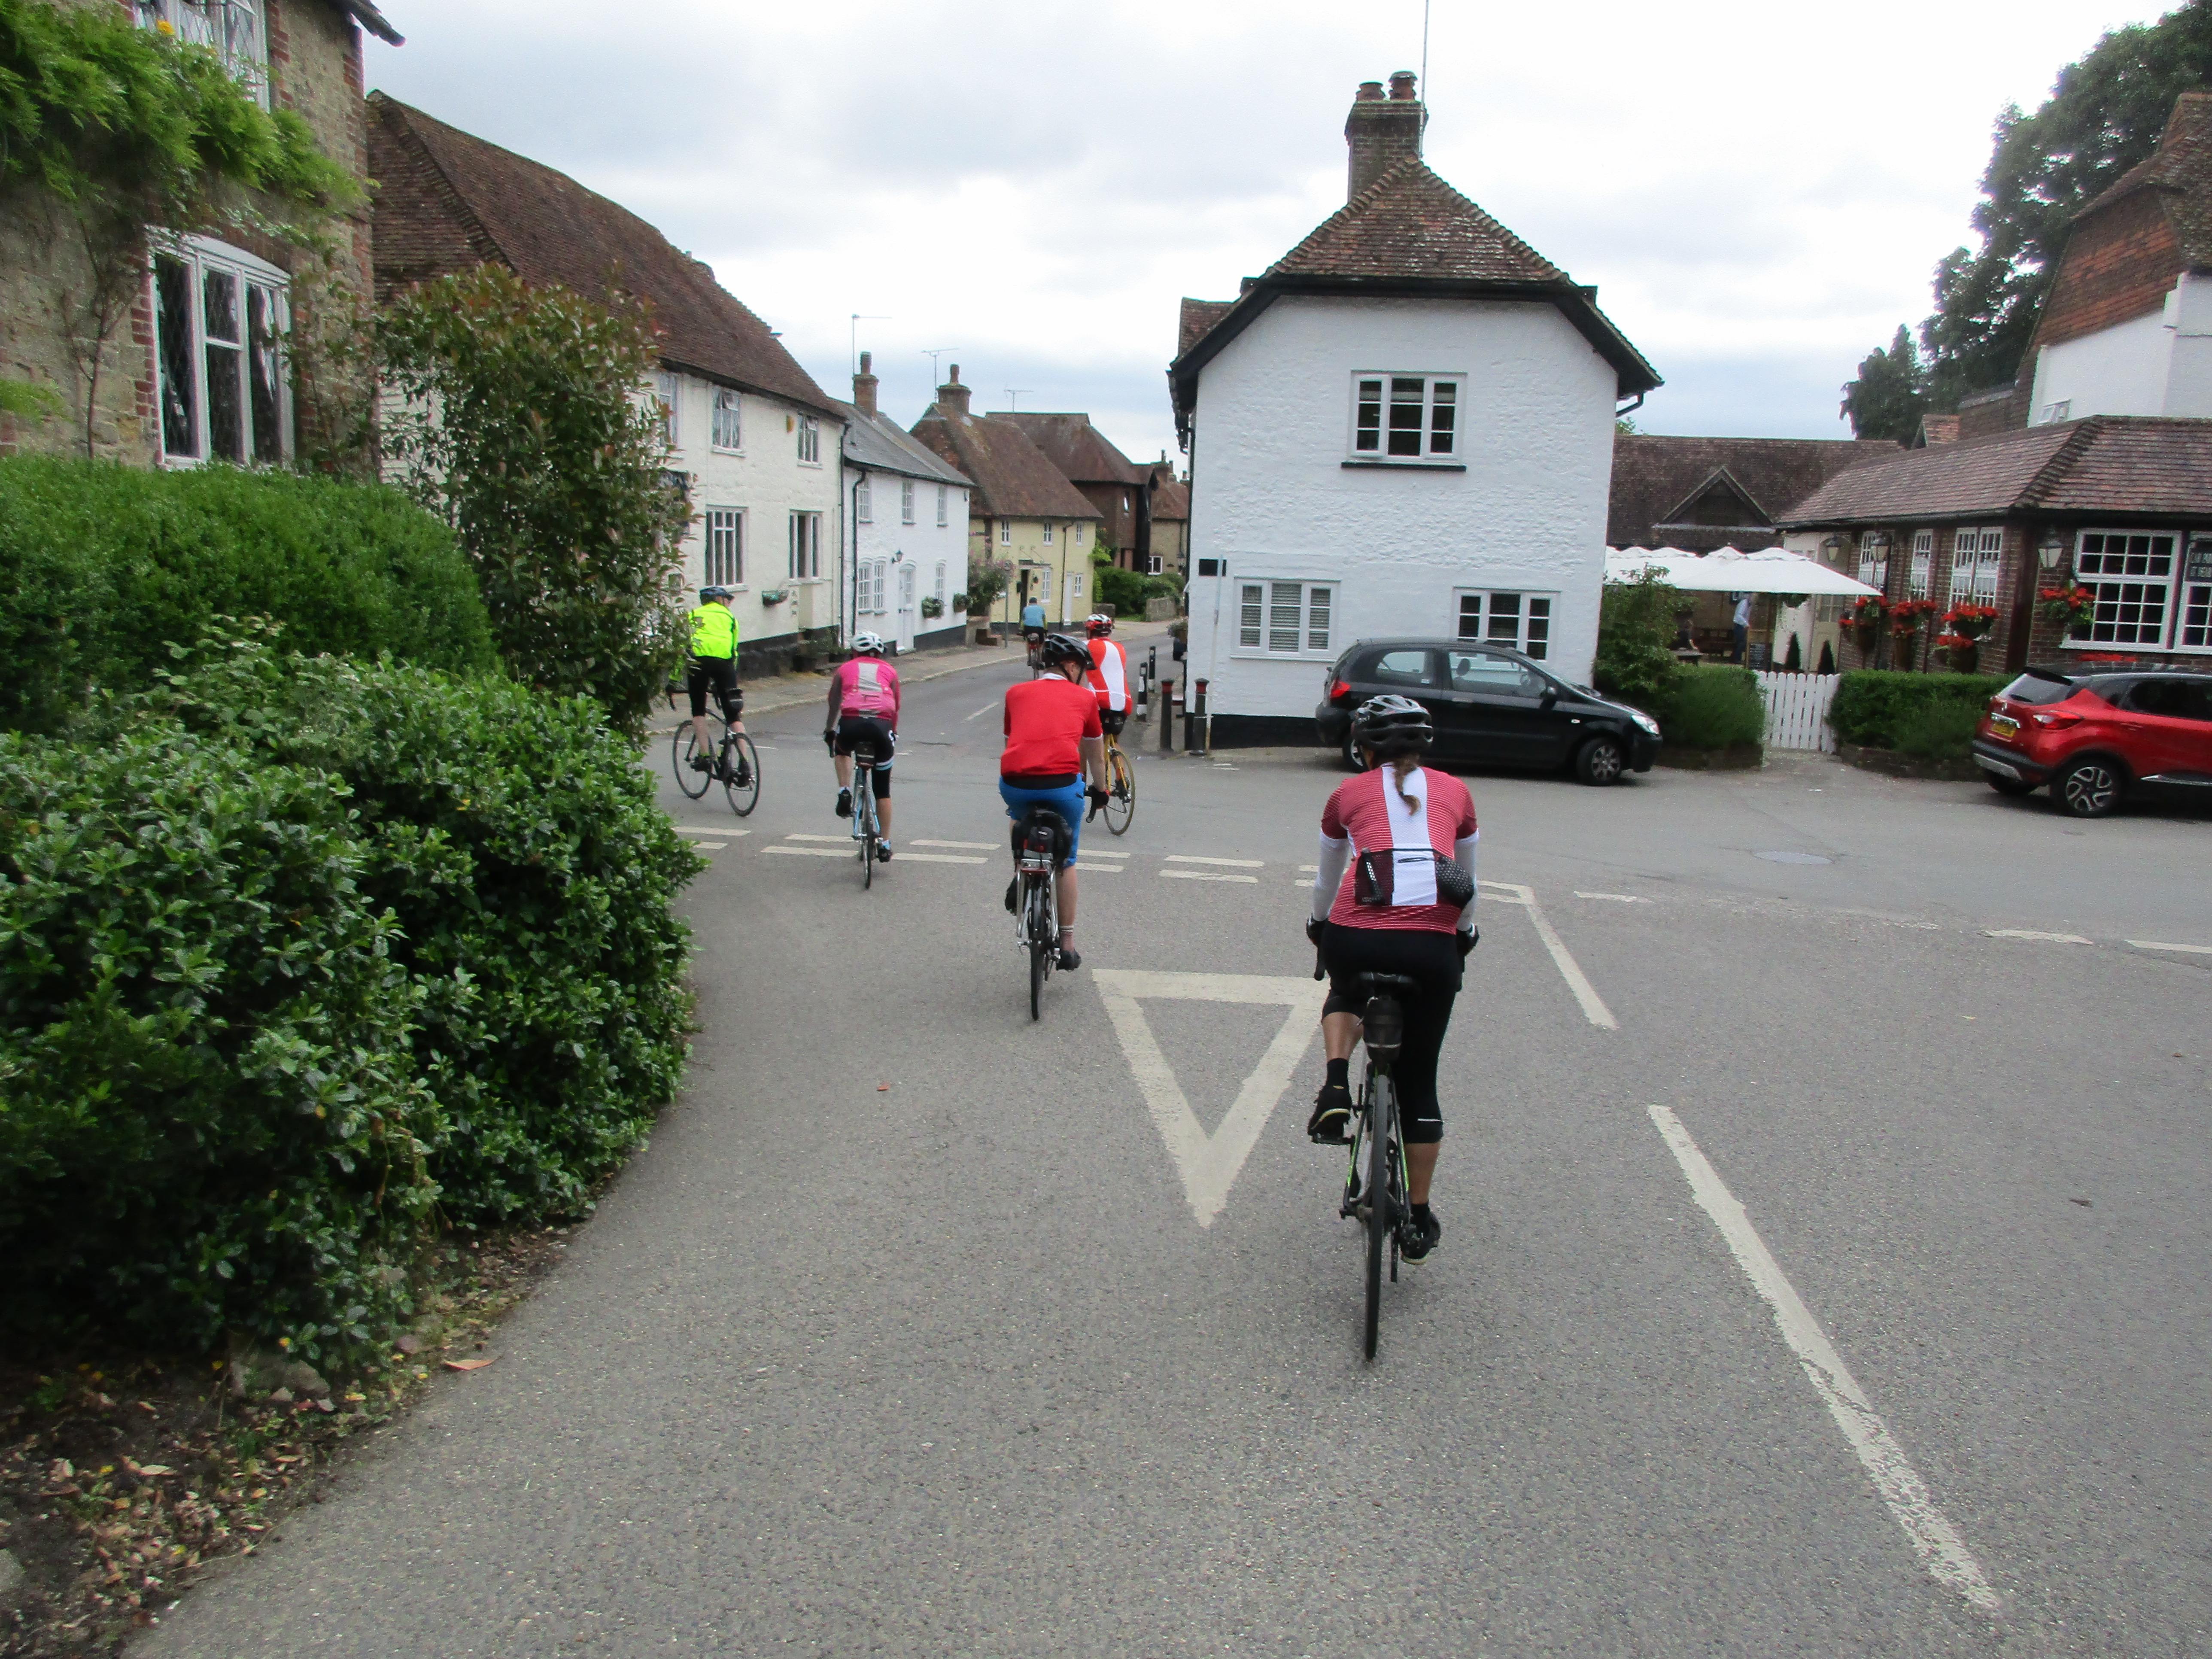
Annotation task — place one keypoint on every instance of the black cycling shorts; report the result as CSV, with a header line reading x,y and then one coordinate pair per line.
x,y
874,734
1113,719
1430,957
721,673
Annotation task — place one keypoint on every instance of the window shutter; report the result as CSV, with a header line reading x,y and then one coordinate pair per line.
x,y
1317,602
1248,620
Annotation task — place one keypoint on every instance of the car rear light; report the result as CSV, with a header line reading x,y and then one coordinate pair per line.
x,y
2057,722
1340,690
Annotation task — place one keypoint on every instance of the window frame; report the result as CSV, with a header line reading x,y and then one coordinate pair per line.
x,y
1255,638
250,70
1920,574
943,492
733,521
809,430
728,400
906,501
2178,594
1387,384
1532,641
803,547
1048,532
199,257
2192,606
864,501
1006,532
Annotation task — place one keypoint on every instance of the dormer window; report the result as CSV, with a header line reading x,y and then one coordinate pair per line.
x,y
1405,417
232,29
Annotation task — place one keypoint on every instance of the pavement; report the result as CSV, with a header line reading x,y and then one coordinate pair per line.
x,y
1823,1195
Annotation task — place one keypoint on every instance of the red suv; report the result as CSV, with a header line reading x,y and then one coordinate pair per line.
x,y
2097,737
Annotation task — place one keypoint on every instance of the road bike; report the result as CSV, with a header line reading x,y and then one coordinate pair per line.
x,y
706,751
1121,808
1036,898
1375,1188
867,829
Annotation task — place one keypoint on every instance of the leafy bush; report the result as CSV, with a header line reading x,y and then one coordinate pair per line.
x,y
303,948
1711,707
1636,619
1872,707
102,567
1939,731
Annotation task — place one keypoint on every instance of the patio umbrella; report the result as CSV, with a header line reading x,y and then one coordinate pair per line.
x,y
1770,570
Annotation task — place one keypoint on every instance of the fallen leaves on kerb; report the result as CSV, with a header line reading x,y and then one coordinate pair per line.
x,y
466,1365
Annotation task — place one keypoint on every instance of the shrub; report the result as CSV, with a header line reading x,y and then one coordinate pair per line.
x,y
1711,707
1635,622
1939,730
303,947
103,567
1872,707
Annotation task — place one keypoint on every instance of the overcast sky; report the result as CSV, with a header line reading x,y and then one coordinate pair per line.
x,y
1759,192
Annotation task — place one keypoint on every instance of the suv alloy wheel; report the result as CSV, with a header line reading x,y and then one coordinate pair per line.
x,y
1600,762
2089,788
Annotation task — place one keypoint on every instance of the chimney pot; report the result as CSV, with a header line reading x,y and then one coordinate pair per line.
x,y
1381,131
952,397
1370,92
864,387
1402,86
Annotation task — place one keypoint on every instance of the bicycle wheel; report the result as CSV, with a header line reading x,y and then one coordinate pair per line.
x,y
743,760
1120,791
864,817
1381,1132
693,737
1037,899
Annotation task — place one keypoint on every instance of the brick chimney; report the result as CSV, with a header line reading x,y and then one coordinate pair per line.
x,y
864,387
952,397
1383,132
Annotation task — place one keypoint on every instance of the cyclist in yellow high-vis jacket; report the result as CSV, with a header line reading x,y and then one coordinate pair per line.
x,y
715,662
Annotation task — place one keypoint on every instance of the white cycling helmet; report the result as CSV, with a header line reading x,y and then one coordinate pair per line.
x,y
867,645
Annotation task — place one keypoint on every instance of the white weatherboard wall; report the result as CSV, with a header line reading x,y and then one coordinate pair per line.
x,y
1273,497
2157,364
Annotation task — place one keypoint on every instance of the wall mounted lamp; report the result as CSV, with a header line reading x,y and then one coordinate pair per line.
x,y
2051,550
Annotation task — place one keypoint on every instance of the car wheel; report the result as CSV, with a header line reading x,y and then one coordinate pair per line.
x,y
2008,786
1351,761
2088,788
1600,762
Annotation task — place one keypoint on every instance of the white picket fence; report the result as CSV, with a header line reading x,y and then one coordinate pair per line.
x,y
1797,710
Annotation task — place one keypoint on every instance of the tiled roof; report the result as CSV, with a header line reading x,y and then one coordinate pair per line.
x,y
1012,477
2181,168
2105,464
448,200
1171,500
1655,477
1409,222
1083,454
1199,316
372,19
876,441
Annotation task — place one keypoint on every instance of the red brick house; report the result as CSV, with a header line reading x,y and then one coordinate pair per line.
x,y
1110,480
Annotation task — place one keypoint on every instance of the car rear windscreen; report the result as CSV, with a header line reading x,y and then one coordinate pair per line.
x,y
2034,689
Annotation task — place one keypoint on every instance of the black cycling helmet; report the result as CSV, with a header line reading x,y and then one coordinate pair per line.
x,y
1391,725
1059,649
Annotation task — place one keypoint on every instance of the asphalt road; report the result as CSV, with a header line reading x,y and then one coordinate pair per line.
x,y
1822,1272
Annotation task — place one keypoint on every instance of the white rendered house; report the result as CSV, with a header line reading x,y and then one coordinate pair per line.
x,y
1405,428
909,511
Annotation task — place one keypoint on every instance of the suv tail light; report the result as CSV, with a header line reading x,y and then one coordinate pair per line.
x,y
1340,690
2057,722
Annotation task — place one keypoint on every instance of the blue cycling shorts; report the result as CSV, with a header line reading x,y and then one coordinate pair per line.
x,y
1071,801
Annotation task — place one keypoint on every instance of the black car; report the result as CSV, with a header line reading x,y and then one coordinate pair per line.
x,y
1492,707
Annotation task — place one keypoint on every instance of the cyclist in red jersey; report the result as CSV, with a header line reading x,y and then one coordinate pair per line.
x,y
1053,740
1377,908
1108,673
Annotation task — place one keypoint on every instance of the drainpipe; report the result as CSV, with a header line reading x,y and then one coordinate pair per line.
x,y
854,585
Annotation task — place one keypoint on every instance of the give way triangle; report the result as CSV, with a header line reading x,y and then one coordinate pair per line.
x,y
1208,1164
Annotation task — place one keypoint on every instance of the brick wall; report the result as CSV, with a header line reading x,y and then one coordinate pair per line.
x,y
2119,264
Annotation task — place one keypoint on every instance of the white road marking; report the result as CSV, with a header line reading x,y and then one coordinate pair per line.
x,y
1510,894
702,830
1207,875
2153,945
979,713
815,852
2030,932
710,846
1934,1539
935,858
972,846
1622,898
1240,864
1106,852
1084,863
800,834
1209,1164
1594,1008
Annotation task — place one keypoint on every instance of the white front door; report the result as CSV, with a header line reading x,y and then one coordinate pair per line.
x,y
1072,608
903,623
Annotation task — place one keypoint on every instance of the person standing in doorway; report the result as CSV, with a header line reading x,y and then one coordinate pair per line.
x,y
1739,628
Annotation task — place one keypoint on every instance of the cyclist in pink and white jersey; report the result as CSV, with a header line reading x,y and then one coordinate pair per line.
x,y
864,711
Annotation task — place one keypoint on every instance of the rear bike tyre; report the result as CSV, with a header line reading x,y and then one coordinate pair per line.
x,y
742,756
1382,1132
690,734
1035,901
1121,793
864,819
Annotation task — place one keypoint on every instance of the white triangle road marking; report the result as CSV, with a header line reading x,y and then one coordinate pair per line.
x,y
1210,1163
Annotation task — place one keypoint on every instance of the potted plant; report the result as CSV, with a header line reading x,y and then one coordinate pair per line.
x,y
775,596
1905,620
931,608
2070,609
1864,620
1965,628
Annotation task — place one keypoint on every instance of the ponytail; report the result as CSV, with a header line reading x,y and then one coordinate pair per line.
x,y
1401,766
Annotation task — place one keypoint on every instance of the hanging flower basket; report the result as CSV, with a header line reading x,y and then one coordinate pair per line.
x,y
2069,609
1964,652
1971,621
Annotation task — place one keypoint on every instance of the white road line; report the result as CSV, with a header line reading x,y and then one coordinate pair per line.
x,y
971,845
2030,932
1594,1008
1622,898
934,858
702,829
815,852
710,846
2153,945
1207,875
1510,894
1934,1539
1102,869
800,834
979,713
1240,864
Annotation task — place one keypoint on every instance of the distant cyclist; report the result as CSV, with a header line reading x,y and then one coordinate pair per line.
x,y
1394,816
714,662
1108,673
864,711
1052,740
1033,627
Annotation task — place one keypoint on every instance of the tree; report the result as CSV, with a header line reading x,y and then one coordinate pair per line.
x,y
2105,114
1636,621
524,427
1890,394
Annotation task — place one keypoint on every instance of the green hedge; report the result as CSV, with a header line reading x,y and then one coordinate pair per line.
x,y
1710,707
103,567
1876,708
300,957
